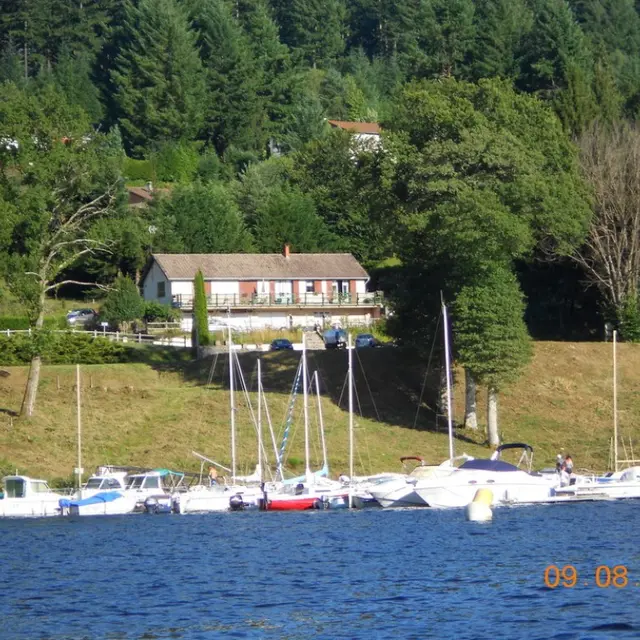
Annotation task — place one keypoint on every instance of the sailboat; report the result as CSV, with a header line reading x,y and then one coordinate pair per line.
x,y
221,497
305,492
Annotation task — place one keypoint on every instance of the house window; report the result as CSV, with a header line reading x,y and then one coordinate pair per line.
x,y
161,289
308,286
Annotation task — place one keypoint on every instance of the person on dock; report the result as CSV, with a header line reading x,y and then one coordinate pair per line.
x,y
213,476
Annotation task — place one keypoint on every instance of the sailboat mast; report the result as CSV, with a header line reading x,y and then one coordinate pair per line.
x,y
322,440
305,404
615,404
79,470
447,366
232,411
260,417
350,352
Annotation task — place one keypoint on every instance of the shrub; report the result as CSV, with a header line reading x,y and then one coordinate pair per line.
x,y
123,303
175,162
20,323
61,348
157,312
135,170
629,319
200,334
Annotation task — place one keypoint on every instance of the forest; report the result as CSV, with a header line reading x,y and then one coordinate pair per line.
x,y
506,183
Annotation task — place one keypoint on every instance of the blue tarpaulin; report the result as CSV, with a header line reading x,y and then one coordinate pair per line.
x,y
98,498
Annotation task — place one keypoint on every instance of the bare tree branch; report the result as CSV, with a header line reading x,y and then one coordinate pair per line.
x,y
610,160
103,287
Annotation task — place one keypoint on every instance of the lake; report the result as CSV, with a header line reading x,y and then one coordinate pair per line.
x,y
366,574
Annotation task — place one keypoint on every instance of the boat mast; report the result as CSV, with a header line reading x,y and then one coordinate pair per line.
x,y
447,366
305,403
615,405
79,469
260,417
350,352
322,440
233,412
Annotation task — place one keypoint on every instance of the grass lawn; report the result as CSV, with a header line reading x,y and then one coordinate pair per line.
x,y
158,411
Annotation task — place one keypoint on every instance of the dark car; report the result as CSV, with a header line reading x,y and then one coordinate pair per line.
x,y
280,344
84,317
365,340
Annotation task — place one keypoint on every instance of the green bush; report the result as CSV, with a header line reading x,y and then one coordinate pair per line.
x,y
19,323
15,323
175,162
629,319
156,312
61,348
123,303
135,170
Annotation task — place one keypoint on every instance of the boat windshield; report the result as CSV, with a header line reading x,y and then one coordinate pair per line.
x,y
14,488
93,483
39,486
135,482
487,465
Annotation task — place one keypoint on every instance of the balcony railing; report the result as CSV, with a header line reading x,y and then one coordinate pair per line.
x,y
224,301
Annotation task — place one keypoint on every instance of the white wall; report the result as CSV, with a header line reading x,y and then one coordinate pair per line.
x,y
361,286
182,287
150,285
225,287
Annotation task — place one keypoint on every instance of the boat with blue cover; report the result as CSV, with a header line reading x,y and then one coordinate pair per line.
x,y
101,503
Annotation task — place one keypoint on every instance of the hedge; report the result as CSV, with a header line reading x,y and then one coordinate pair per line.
x,y
20,323
61,348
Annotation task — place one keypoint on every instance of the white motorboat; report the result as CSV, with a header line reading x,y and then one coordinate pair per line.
x,y
508,483
28,497
622,485
401,491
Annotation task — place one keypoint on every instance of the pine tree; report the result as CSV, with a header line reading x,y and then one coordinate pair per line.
x,y
313,29
557,63
73,75
449,36
234,113
500,27
200,336
158,76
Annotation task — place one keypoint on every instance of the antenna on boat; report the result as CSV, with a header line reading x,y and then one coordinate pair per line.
x,y
260,417
447,365
615,404
322,439
305,402
79,468
350,356
233,411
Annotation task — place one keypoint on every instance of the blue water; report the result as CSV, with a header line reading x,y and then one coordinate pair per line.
x,y
370,574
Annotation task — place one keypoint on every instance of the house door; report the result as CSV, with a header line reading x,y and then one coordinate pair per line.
x,y
284,291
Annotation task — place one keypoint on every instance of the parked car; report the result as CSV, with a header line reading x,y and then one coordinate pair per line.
x,y
281,344
335,339
77,317
365,340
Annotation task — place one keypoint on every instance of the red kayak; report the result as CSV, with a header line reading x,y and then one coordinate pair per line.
x,y
295,503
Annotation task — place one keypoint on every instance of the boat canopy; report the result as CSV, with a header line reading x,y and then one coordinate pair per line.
x,y
98,498
514,445
487,465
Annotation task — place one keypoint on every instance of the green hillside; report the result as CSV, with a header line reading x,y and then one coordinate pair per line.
x,y
157,414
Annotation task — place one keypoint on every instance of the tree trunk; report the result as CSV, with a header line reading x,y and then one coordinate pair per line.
x,y
470,411
492,417
31,391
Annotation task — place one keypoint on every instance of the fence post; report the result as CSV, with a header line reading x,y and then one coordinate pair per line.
x,y
29,331
117,336
8,333
139,337
95,333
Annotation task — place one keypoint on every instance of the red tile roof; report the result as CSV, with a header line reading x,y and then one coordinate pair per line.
x,y
372,128
260,266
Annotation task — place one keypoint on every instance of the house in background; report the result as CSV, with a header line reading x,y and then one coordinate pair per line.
x,y
366,134
141,196
257,290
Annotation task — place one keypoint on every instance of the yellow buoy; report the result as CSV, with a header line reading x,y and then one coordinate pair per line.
x,y
479,510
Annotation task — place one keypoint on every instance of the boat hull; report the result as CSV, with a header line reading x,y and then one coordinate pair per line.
x,y
294,503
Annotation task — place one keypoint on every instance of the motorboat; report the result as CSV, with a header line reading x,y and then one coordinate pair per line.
x,y
99,504
217,497
621,485
28,497
508,483
401,491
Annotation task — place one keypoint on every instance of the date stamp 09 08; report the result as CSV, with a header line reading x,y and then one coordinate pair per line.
x,y
603,577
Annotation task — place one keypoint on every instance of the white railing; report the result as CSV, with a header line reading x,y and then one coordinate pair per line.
x,y
115,336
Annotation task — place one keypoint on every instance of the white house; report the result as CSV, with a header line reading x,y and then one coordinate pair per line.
x,y
365,134
257,290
